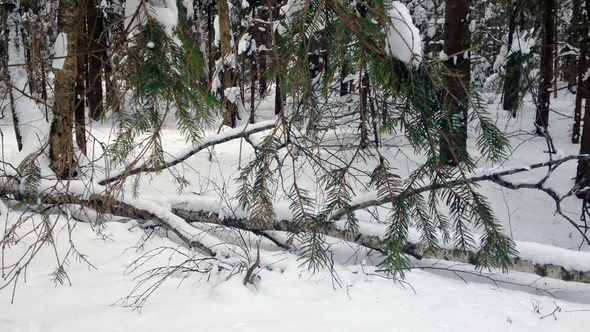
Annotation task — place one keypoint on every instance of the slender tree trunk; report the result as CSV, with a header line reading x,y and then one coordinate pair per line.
x,y
230,115
344,83
279,100
81,78
61,142
255,35
544,98
210,44
11,7
456,45
264,40
364,91
577,41
573,40
253,79
583,171
513,67
96,57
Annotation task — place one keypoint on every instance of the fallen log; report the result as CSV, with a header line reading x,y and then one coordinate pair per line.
x,y
373,242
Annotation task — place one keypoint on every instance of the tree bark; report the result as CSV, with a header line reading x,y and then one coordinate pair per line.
x,y
230,115
546,84
7,7
513,67
210,44
364,91
571,71
456,46
578,40
61,142
583,92
81,78
96,57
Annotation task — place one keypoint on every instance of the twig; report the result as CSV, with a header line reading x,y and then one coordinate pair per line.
x,y
557,309
207,142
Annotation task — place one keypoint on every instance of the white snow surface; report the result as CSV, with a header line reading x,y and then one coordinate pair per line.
x,y
282,297
403,37
353,296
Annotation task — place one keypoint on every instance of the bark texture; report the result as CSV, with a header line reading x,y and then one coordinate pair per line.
x,y
583,171
230,115
547,50
456,46
61,140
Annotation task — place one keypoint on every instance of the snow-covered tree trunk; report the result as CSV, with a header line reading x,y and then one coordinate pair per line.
x,y
61,140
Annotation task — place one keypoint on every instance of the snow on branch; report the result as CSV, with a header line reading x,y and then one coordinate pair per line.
x,y
494,176
208,141
135,209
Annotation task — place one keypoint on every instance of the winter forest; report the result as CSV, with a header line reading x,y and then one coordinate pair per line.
x,y
414,165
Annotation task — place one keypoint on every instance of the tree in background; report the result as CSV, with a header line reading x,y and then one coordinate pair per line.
x,y
61,141
458,64
583,92
548,10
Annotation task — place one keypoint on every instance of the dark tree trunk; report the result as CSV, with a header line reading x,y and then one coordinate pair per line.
x,y
544,98
274,10
81,78
513,68
278,96
578,41
253,79
10,7
210,43
364,90
583,172
344,84
573,39
61,142
227,76
456,45
96,57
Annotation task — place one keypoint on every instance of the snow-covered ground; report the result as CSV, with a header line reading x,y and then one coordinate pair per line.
x,y
351,296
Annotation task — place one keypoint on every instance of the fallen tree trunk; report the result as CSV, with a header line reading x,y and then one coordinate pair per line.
x,y
177,220
373,242
108,205
193,237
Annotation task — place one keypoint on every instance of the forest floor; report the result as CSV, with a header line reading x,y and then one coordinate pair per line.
x,y
352,295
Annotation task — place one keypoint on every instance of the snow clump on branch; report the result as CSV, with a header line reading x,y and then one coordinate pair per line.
x,y
403,37
163,11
